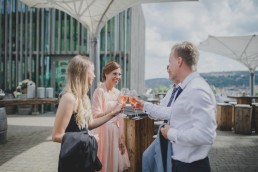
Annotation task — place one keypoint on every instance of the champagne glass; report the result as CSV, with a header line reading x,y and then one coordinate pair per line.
x,y
133,101
124,95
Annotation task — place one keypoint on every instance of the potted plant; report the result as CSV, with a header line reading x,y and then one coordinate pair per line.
x,y
21,92
22,87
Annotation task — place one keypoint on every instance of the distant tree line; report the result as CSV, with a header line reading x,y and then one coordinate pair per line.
x,y
229,79
217,79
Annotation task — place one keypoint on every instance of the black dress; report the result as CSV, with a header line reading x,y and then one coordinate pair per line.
x,y
72,164
72,126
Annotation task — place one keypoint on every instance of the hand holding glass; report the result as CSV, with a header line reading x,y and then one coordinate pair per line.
x,y
133,102
124,95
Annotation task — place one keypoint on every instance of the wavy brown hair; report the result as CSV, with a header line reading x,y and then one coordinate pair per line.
x,y
112,65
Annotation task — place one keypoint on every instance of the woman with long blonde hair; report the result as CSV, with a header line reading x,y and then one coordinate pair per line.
x,y
74,110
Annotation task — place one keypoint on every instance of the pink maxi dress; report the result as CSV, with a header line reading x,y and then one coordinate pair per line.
x,y
109,134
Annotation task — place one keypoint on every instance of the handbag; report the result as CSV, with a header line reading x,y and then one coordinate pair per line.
x,y
79,153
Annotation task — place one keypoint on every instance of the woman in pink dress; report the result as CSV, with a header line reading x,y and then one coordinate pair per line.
x,y
112,150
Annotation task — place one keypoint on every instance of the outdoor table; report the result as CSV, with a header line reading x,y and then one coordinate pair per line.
x,y
32,101
243,119
224,116
138,135
244,99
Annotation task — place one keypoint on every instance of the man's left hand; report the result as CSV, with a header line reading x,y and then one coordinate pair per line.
x,y
164,131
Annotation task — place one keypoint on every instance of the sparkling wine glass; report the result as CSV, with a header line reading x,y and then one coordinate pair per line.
x,y
124,95
133,101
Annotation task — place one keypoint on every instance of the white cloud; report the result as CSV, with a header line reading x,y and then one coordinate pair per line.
x,y
155,46
167,23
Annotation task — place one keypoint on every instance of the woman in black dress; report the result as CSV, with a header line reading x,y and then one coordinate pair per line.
x,y
74,110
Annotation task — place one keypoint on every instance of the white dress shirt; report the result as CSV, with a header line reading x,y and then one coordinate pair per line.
x,y
165,100
192,117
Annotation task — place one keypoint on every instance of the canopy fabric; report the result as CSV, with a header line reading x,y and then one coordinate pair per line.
x,y
93,14
240,48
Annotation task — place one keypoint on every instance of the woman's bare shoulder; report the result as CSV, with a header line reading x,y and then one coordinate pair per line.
x,y
68,98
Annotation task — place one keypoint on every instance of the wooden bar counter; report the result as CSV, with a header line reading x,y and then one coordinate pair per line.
x,y
139,135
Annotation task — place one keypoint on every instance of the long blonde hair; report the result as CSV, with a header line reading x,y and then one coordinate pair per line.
x,y
78,84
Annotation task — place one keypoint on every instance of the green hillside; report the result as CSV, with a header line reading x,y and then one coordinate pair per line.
x,y
229,79
218,79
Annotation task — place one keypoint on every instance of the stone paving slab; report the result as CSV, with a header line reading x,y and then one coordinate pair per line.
x,y
234,152
29,148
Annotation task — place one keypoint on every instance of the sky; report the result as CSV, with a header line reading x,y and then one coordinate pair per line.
x,y
169,23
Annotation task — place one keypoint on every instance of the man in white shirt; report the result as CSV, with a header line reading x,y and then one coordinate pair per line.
x,y
156,157
192,128
165,101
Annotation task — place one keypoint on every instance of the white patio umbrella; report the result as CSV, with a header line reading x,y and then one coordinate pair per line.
x,y
240,48
92,14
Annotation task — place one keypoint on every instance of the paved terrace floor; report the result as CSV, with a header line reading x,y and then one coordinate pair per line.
x,y
30,149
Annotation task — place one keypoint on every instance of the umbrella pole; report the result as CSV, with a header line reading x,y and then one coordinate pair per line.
x,y
94,56
252,79
95,49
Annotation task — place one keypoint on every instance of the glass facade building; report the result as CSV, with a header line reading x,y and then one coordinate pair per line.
x,y
37,44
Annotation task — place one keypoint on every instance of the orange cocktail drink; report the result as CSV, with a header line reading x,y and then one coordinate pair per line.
x,y
123,99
